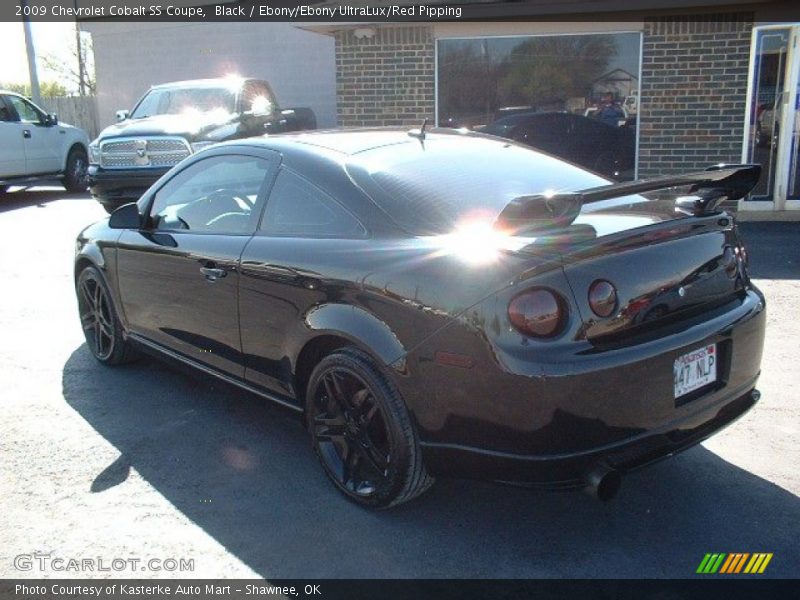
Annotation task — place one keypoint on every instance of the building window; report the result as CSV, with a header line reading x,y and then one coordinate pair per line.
x,y
522,88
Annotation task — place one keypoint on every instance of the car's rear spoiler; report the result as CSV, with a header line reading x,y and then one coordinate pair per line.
x,y
708,189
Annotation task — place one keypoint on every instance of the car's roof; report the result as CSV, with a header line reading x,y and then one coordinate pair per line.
x,y
523,118
356,140
423,185
534,116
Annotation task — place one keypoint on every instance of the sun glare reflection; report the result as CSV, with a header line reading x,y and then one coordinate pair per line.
x,y
233,81
475,241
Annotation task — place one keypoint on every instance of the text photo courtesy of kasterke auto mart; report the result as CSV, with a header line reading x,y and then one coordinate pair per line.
x,y
350,299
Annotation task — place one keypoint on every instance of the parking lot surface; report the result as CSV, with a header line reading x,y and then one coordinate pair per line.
x,y
145,462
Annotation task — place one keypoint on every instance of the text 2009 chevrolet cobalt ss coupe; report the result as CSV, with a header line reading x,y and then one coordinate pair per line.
x,y
440,303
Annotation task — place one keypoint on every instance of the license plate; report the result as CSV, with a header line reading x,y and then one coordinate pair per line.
x,y
695,369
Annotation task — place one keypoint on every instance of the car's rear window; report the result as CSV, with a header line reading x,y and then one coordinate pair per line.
x,y
428,188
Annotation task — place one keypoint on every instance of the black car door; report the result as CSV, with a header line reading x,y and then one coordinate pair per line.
x,y
179,276
292,264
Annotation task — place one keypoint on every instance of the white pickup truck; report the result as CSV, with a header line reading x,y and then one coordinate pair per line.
x,y
35,146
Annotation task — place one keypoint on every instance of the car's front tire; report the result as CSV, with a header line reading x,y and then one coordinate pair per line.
x,y
362,433
101,325
75,176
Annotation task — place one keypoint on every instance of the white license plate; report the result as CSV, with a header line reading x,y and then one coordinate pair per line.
x,y
695,369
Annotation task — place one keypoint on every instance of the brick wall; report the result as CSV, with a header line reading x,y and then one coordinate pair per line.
x,y
694,89
387,79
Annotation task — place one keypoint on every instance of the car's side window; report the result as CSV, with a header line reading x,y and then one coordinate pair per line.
x,y
26,111
220,194
5,111
296,207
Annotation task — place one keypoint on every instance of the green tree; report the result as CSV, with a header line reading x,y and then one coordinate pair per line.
x,y
545,70
467,82
48,89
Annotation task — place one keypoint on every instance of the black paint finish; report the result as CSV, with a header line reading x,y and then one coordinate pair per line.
x,y
487,401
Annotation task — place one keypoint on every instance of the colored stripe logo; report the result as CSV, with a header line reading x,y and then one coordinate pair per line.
x,y
733,563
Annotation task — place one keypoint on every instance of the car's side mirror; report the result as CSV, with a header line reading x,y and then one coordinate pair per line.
x,y
122,115
126,216
51,119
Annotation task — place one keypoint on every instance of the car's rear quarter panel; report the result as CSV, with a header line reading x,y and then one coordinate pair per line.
x,y
548,400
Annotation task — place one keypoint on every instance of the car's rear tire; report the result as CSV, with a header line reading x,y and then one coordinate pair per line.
x,y
75,176
101,325
362,433
3,189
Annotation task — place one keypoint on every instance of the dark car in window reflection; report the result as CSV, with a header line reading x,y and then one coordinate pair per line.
x,y
585,141
431,307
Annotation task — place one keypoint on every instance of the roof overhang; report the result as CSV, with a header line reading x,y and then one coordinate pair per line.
x,y
552,10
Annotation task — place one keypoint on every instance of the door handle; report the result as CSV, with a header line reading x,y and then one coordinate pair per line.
x,y
213,273
26,133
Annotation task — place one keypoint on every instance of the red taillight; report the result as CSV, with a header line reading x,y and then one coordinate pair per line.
x,y
539,313
602,298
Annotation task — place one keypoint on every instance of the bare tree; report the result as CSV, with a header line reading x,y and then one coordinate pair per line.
x,y
76,67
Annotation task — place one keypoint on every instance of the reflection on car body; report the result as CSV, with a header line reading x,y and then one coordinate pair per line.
x,y
585,141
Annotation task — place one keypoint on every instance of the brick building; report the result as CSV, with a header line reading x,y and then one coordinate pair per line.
x,y
716,83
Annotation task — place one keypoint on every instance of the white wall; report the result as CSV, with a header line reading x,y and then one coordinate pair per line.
x,y
130,57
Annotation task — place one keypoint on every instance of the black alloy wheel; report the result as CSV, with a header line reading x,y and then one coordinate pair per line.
x,y
99,321
362,433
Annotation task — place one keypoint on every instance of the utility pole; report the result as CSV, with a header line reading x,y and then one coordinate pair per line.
x,y
81,65
26,24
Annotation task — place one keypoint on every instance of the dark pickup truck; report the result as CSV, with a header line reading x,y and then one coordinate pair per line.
x,y
172,121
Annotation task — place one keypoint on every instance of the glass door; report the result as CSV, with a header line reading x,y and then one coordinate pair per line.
x,y
769,77
793,131
774,124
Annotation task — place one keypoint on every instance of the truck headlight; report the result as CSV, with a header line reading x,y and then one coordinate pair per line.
x,y
94,153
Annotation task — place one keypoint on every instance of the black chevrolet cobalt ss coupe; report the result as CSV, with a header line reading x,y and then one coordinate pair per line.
x,y
440,303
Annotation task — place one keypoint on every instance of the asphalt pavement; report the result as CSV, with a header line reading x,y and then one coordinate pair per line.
x,y
145,461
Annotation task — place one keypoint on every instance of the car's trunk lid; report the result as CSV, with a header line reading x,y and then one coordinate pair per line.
x,y
664,269
669,256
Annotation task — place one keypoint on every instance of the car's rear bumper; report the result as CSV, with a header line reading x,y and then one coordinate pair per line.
x,y
548,417
569,469
114,187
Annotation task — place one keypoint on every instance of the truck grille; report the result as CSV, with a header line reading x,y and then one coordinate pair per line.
x,y
126,153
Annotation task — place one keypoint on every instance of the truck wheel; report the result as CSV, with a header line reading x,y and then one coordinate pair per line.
x,y
75,175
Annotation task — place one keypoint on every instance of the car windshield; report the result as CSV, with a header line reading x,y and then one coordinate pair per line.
x,y
177,101
429,188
